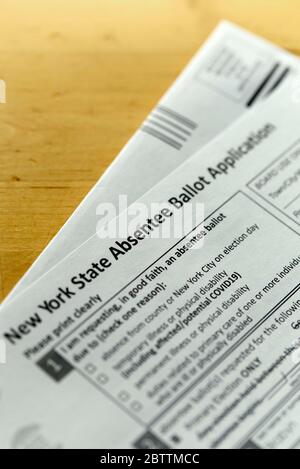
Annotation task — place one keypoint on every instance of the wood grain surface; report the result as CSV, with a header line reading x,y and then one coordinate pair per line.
x,y
81,75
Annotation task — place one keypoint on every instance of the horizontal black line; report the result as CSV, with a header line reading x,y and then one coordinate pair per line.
x,y
169,122
263,85
179,117
279,80
160,136
166,129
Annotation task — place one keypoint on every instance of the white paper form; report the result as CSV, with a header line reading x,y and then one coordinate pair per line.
x,y
150,342
232,72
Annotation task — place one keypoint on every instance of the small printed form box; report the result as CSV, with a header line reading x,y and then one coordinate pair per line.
x,y
279,183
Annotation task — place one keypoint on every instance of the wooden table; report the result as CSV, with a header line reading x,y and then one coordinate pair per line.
x,y
80,77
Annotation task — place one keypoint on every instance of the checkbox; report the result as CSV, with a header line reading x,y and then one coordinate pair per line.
x,y
176,439
90,368
136,406
124,396
102,378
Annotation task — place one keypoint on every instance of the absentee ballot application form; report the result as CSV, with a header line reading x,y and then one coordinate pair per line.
x,y
156,342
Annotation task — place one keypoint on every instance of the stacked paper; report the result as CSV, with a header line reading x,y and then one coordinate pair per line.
x,y
169,318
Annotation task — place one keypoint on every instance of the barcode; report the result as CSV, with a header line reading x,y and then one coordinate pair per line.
x,y
169,126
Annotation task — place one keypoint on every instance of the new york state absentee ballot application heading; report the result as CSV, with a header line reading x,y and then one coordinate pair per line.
x,y
144,340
